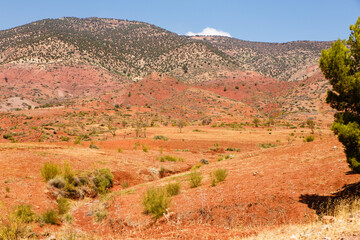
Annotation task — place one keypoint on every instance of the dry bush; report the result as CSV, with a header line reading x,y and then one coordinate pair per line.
x,y
173,189
50,171
343,225
195,179
156,201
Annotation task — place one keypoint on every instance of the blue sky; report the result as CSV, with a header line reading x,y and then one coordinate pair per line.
x,y
255,20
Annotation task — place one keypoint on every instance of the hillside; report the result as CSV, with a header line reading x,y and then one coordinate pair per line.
x,y
134,49
128,48
60,61
284,61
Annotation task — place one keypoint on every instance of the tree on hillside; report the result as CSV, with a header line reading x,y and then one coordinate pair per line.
x,y
311,124
256,122
180,124
341,66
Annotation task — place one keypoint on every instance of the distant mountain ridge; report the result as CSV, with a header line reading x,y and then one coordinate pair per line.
x,y
129,48
58,61
135,49
283,61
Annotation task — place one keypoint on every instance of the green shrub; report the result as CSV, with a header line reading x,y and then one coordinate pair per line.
x,y
65,138
12,229
124,184
8,136
57,182
197,166
309,138
136,145
220,174
162,171
161,137
156,201
68,173
230,149
216,147
77,140
23,213
145,148
100,215
173,189
267,145
50,171
171,158
120,150
103,180
93,146
63,205
68,218
195,179
50,217
212,180
224,157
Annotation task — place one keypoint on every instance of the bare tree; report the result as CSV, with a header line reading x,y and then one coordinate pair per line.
x,y
180,125
311,125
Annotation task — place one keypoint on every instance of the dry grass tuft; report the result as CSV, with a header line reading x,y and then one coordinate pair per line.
x,y
340,222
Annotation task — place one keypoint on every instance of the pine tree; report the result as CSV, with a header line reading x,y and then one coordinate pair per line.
x,y
340,64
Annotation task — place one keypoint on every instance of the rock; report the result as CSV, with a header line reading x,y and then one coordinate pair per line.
x,y
91,213
293,237
51,237
204,161
154,171
93,146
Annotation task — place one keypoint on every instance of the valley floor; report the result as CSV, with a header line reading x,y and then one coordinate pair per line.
x,y
274,179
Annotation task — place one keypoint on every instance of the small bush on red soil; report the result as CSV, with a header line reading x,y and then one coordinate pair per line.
x,y
63,205
71,185
173,189
195,179
14,226
309,138
171,158
161,137
23,213
162,171
50,171
57,182
220,174
145,148
100,215
50,217
103,180
156,201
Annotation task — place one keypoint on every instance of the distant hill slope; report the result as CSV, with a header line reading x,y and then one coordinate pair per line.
x,y
284,61
58,61
130,48
135,49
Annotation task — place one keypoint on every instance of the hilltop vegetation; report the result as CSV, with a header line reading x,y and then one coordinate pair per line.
x,y
128,48
63,61
134,49
284,61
